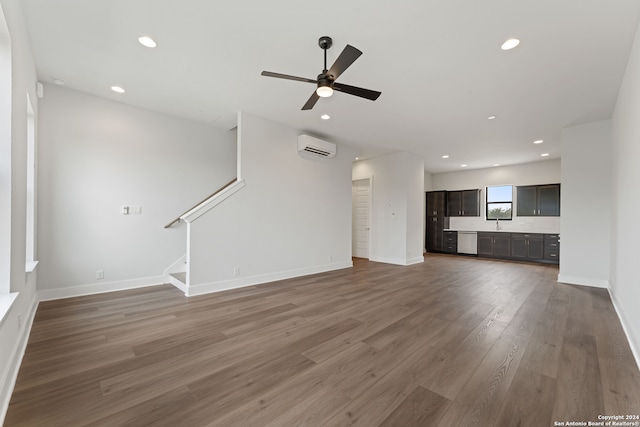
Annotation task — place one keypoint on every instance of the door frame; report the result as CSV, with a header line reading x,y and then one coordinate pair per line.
x,y
370,212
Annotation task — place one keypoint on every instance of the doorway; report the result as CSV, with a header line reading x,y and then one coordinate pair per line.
x,y
361,217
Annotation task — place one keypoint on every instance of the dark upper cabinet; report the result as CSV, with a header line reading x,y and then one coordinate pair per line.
x,y
538,200
436,203
463,203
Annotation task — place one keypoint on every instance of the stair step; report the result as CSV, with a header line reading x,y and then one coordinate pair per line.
x,y
180,276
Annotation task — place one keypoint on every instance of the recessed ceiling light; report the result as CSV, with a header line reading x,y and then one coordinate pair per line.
x,y
147,41
497,164
544,154
538,141
325,117
357,158
117,89
445,156
510,44
463,166
491,117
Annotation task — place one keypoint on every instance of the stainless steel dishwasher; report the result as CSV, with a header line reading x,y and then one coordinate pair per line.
x,y
468,242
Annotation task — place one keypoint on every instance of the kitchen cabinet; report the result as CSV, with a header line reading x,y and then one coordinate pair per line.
x,y
450,242
436,203
437,222
497,245
552,248
538,200
463,203
527,246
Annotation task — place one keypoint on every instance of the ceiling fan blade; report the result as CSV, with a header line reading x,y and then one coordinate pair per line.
x,y
288,77
346,58
311,102
357,91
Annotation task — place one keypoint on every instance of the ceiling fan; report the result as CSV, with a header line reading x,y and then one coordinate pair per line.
x,y
326,80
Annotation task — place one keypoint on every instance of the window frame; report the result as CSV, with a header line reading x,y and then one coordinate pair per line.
x,y
504,202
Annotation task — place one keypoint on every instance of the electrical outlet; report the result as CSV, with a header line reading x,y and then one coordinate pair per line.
x,y
236,271
99,274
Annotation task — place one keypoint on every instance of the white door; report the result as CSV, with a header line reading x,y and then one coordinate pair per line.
x,y
360,197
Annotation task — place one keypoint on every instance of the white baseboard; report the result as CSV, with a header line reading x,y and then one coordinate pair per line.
x,y
10,375
398,261
583,281
100,288
633,336
177,283
225,285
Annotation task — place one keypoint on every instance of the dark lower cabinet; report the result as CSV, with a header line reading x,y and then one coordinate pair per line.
x,y
535,247
496,245
435,238
527,246
450,244
552,248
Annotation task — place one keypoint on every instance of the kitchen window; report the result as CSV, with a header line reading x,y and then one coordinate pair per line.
x,y
499,202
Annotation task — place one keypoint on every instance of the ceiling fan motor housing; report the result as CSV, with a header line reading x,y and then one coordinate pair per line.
x,y
325,42
325,80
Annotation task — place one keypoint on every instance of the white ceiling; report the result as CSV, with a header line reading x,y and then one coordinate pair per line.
x,y
438,65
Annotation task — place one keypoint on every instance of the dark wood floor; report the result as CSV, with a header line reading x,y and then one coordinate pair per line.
x,y
455,341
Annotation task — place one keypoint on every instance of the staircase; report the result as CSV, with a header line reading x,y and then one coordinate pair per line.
x,y
177,273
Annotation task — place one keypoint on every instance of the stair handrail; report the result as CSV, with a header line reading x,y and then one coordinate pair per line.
x,y
219,190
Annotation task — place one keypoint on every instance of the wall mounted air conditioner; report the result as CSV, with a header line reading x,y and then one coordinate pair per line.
x,y
314,146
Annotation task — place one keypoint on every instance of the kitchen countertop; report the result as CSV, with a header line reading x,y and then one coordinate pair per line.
x,y
503,231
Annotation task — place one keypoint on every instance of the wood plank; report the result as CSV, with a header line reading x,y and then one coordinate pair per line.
x,y
579,388
452,341
529,401
620,385
421,408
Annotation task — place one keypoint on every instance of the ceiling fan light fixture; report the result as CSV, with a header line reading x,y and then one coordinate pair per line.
x,y
324,91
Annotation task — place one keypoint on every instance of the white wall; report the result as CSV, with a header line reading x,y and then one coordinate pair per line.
x,y
542,172
625,281
97,155
292,218
14,327
586,204
397,223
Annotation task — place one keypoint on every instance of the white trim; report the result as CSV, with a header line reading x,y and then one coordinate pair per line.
x,y
224,285
584,281
212,202
416,260
398,261
178,284
100,288
30,266
10,374
628,329
6,301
